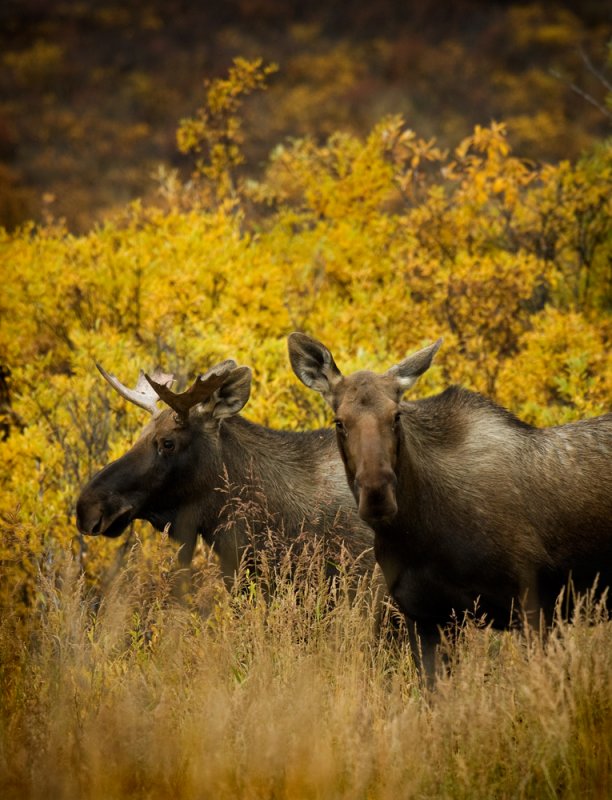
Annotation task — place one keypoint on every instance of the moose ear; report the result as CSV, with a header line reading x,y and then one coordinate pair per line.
x,y
232,395
314,365
408,370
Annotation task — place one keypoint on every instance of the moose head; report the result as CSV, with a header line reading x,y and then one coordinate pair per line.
x,y
161,475
367,413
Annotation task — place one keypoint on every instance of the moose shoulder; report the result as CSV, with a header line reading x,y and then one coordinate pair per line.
x,y
204,470
470,506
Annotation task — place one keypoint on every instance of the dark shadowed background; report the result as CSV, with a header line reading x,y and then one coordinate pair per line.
x,y
91,91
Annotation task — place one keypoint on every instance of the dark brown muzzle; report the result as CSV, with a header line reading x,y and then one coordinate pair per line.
x,y
376,497
107,517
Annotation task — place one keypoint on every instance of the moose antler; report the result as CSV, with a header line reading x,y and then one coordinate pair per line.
x,y
201,390
143,394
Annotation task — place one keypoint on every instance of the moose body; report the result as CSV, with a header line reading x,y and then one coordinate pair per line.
x,y
201,469
473,509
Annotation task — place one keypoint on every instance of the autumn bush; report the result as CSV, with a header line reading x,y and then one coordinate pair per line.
x,y
377,246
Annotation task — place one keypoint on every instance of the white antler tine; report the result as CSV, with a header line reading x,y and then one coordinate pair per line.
x,y
143,395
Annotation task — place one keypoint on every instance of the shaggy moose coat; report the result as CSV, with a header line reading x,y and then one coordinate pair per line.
x,y
473,510
201,469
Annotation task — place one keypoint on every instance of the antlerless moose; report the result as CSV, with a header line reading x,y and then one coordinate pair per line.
x,y
473,509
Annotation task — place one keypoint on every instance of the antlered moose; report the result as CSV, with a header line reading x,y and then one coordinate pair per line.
x,y
471,507
197,465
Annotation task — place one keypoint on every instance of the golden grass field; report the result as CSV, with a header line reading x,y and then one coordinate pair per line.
x,y
134,693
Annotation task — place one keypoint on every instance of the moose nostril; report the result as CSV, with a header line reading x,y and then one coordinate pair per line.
x,y
389,478
97,526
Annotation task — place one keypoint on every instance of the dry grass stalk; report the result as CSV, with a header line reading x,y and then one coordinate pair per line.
x,y
287,694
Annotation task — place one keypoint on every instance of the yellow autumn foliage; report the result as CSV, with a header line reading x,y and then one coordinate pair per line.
x,y
376,246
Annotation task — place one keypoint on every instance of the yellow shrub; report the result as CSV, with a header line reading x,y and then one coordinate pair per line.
x,y
563,370
374,246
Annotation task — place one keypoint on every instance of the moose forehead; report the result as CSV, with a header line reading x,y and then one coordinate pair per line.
x,y
163,424
366,391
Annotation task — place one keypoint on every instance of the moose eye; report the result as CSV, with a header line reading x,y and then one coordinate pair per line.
x,y
396,420
340,426
167,445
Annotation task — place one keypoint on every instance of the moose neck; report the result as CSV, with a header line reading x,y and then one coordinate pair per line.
x,y
266,482
281,464
455,447
433,430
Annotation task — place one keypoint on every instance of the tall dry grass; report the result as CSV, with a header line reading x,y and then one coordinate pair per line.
x,y
130,693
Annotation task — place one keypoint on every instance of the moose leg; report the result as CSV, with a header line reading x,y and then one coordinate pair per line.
x,y
424,640
185,533
531,607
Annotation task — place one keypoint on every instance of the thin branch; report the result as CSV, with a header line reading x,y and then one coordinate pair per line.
x,y
592,69
575,88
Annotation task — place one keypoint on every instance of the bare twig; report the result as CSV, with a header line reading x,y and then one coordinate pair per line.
x,y
581,92
594,71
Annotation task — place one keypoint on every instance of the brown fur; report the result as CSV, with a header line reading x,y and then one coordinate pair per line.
x,y
473,510
224,478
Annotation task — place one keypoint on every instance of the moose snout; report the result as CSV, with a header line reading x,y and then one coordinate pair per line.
x,y
89,518
376,496
95,517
